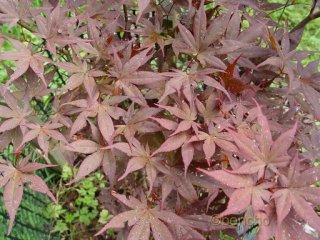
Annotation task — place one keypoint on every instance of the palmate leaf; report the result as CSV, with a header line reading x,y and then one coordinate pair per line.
x,y
13,179
309,85
186,82
24,58
284,57
183,184
15,113
175,142
128,77
142,218
137,120
198,43
290,228
49,29
43,133
140,158
213,139
98,156
80,74
247,192
151,33
263,152
105,112
297,193
12,11
186,113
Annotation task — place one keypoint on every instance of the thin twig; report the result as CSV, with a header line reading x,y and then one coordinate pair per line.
x,y
126,34
280,18
23,25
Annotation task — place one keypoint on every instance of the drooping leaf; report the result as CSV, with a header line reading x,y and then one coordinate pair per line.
x,y
142,218
13,180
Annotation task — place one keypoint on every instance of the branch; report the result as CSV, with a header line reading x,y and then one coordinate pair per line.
x,y
126,34
313,6
284,8
297,31
305,21
24,25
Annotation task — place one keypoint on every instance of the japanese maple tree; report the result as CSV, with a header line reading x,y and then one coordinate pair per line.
x,y
198,112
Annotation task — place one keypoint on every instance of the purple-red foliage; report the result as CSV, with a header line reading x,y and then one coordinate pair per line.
x,y
194,110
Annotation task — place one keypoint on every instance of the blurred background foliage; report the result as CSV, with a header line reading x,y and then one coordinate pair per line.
x,y
293,13
78,214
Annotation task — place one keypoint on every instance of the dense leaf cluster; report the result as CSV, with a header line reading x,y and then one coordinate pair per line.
x,y
196,111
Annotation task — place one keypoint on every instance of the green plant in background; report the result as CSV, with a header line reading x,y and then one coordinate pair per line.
x,y
224,236
293,13
31,222
77,213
